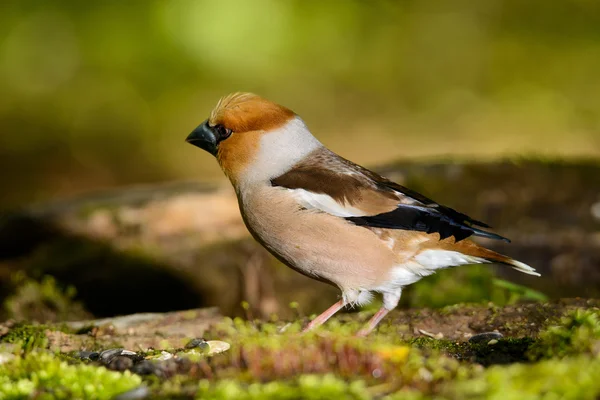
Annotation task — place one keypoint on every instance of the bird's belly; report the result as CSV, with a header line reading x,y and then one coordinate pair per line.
x,y
320,245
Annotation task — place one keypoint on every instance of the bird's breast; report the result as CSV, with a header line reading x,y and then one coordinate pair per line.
x,y
316,244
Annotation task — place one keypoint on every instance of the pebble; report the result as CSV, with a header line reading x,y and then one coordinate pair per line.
x,y
217,346
438,335
107,355
164,356
486,337
120,363
146,367
88,355
198,343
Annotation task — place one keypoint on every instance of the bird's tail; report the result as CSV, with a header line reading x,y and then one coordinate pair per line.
x,y
522,267
518,265
472,249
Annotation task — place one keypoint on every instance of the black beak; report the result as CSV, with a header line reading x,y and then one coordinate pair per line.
x,y
203,137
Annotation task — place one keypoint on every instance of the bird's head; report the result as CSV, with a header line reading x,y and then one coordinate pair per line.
x,y
253,138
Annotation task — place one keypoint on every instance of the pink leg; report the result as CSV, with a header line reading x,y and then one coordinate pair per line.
x,y
320,320
373,322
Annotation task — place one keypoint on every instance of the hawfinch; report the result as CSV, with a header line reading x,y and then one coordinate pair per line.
x,y
328,218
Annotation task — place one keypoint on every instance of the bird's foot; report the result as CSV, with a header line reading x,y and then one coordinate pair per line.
x,y
379,315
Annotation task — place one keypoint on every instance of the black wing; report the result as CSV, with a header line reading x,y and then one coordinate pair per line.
x,y
428,217
423,219
327,173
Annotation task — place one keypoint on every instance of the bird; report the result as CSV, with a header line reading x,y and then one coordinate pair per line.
x,y
329,218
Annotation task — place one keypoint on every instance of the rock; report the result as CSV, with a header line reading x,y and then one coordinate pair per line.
x,y
63,341
149,330
144,331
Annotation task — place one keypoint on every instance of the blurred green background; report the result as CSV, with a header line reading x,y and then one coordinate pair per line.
x,y
102,93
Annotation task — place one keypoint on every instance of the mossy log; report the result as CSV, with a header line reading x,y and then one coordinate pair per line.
x,y
183,245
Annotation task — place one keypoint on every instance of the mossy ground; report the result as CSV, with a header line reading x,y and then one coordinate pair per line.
x,y
273,360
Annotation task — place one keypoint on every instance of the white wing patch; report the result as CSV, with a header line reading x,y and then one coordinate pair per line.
x,y
436,259
325,203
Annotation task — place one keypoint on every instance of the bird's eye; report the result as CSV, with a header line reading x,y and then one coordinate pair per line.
x,y
223,132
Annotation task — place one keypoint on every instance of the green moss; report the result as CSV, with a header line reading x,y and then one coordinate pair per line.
x,y
50,378
260,352
312,387
569,378
27,336
577,333
42,301
407,394
383,361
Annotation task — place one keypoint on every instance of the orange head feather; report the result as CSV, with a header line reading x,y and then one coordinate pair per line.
x,y
246,112
234,128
